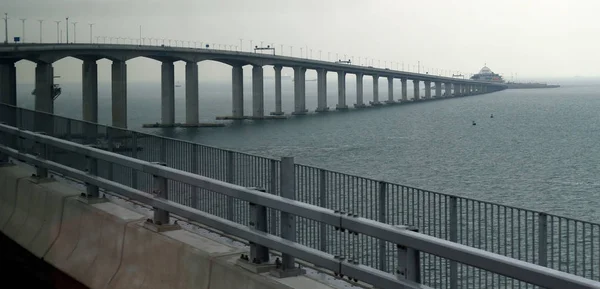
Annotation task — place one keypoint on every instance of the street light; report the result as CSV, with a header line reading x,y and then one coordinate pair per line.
x,y
91,32
40,29
6,27
57,32
74,32
67,30
23,35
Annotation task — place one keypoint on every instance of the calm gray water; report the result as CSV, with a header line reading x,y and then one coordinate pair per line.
x,y
540,151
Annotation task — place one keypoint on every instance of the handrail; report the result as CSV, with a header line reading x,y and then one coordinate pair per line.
x,y
513,268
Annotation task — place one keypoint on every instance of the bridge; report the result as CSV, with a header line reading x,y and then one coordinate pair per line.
x,y
55,203
44,55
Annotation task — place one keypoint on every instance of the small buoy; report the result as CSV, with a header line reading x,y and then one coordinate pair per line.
x,y
492,116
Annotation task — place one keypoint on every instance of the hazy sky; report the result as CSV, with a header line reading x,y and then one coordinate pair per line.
x,y
533,38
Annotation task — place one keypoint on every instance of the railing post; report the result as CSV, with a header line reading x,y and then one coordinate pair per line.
x,y
453,236
92,191
273,190
42,152
195,170
409,261
323,203
161,191
287,179
230,179
134,147
382,218
543,239
258,220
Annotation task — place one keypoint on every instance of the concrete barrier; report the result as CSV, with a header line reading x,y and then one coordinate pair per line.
x,y
9,176
56,196
106,246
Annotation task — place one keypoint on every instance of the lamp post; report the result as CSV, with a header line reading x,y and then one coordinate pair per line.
x,y
67,30
40,29
6,27
57,32
91,32
23,33
74,32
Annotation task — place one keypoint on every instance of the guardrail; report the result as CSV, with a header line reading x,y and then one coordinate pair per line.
x,y
16,142
557,242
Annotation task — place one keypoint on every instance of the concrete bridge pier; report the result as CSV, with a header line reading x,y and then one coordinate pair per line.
x,y
119,93
237,91
390,99
359,91
456,89
278,110
258,99
427,89
90,90
447,89
404,89
416,90
375,91
299,91
167,95
8,83
341,91
191,93
438,89
322,90
44,82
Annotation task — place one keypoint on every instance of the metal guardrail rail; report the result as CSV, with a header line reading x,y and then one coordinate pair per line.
x,y
409,242
557,242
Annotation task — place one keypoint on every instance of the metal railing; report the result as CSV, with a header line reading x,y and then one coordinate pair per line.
x,y
557,242
18,144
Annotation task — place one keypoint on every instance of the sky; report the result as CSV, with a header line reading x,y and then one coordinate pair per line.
x,y
516,38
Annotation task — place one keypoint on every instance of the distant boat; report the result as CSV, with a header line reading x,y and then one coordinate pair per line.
x,y
178,84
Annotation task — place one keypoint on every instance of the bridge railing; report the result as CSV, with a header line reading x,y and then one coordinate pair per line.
x,y
46,153
557,242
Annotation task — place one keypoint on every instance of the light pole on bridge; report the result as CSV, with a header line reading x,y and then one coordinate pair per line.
x,y
67,30
6,28
40,21
23,27
74,32
91,32
57,31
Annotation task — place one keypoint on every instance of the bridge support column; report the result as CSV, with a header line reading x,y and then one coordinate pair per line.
x,y
278,110
375,90
438,89
44,82
341,91
90,90
456,89
119,94
167,96
359,91
191,93
8,83
322,90
404,89
390,90
416,90
447,89
299,91
427,89
258,99
44,99
237,91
